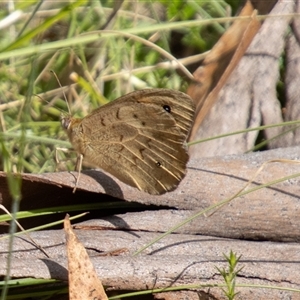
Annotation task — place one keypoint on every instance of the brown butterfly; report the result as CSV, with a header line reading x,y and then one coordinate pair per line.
x,y
139,138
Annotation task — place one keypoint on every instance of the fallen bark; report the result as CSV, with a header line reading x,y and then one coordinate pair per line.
x,y
271,213
178,259
190,256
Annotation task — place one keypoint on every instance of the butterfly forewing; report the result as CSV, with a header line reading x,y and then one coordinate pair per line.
x,y
139,138
181,105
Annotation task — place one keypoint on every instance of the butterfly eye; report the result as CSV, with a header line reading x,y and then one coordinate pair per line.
x,y
65,122
167,108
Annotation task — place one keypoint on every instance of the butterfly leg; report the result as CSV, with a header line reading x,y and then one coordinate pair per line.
x,y
78,169
60,149
78,163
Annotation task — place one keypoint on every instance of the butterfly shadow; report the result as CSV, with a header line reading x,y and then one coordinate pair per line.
x,y
109,185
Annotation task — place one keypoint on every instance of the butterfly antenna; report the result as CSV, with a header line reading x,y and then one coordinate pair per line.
x,y
62,90
44,100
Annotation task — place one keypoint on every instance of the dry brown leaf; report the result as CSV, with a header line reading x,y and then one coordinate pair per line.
x,y
249,98
220,62
83,280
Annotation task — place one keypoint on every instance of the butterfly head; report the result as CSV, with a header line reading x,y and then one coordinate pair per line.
x,y
65,122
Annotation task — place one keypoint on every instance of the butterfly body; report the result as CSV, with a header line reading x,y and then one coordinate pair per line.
x,y
139,138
